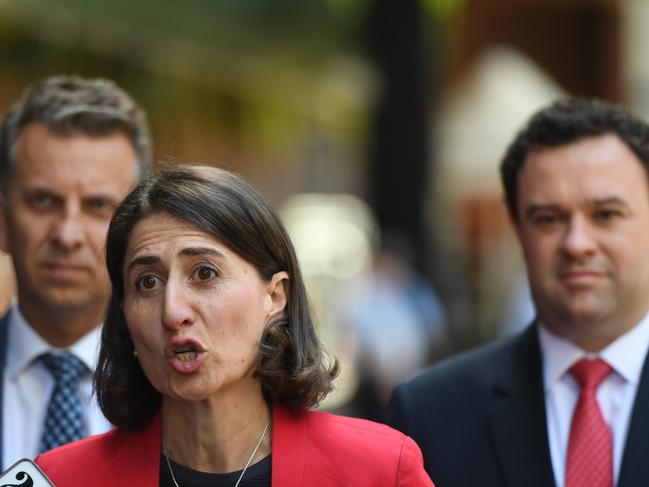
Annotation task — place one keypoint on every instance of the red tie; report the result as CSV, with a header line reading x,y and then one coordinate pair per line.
x,y
590,449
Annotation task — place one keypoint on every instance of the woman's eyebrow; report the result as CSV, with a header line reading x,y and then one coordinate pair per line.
x,y
193,251
143,260
186,252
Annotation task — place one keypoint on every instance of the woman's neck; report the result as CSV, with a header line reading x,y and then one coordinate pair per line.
x,y
218,434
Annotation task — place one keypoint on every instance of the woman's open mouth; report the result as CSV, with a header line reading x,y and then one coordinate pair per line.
x,y
185,355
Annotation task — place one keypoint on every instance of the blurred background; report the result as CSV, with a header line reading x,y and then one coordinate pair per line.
x,y
375,127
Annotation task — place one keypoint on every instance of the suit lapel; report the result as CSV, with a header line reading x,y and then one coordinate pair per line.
x,y
516,420
4,326
634,470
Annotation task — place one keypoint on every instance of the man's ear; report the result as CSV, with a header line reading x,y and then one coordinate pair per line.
x,y
278,293
4,238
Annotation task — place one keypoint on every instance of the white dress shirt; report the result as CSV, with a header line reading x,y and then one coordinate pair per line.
x,y
28,386
615,395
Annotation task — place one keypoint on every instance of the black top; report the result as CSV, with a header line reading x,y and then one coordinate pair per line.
x,y
257,475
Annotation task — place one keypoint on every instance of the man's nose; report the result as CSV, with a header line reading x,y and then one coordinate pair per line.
x,y
177,311
68,231
579,239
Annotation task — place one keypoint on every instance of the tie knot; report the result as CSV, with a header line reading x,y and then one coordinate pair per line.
x,y
590,373
64,367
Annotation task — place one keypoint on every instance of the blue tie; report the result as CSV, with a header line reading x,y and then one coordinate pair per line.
x,y
64,421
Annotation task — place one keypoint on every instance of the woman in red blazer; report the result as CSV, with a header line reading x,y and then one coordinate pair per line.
x,y
209,360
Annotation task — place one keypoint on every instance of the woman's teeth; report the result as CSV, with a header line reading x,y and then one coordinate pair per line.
x,y
185,353
184,356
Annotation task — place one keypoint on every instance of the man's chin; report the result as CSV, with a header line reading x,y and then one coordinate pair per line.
x,y
581,319
586,314
72,298
583,306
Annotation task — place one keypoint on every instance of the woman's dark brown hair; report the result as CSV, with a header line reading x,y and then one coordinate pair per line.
x,y
293,369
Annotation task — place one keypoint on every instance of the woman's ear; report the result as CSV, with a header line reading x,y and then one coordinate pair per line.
x,y
278,294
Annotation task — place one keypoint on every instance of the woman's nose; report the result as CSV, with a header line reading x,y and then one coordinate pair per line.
x,y
176,307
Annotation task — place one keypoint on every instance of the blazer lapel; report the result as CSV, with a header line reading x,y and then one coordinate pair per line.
x,y
289,448
137,456
634,470
517,420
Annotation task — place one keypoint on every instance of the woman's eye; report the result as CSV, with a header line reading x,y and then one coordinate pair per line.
x,y
147,283
205,273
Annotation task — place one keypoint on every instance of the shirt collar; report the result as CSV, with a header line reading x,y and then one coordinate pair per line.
x,y
24,345
626,354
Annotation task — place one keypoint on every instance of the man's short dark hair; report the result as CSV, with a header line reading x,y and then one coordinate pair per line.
x,y
74,105
564,122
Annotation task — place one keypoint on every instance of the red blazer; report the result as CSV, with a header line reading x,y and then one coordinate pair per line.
x,y
309,448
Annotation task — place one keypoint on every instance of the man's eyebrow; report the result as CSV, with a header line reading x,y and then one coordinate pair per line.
x,y
535,208
611,200
43,189
144,260
39,188
100,196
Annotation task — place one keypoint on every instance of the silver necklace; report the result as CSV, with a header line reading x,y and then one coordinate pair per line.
x,y
252,455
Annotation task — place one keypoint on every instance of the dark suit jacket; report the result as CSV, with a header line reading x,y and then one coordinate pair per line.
x,y
310,448
479,419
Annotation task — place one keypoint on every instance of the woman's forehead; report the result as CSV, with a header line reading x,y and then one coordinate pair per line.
x,y
161,229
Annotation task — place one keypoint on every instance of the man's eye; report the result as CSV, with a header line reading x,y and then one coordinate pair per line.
x,y
41,200
98,205
545,220
147,283
204,273
605,215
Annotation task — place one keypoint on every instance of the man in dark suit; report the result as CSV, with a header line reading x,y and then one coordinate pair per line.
x,y
566,402
70,149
